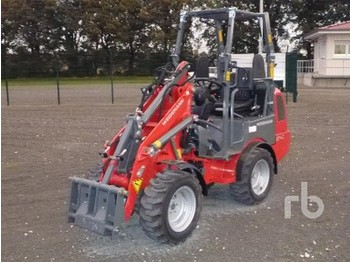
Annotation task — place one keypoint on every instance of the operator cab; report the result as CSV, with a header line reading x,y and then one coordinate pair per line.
x,y
238,100
251,89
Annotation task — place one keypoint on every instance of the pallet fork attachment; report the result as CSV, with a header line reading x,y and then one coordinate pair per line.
x,y
96,206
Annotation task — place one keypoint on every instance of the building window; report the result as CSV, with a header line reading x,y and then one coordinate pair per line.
x,y
342,49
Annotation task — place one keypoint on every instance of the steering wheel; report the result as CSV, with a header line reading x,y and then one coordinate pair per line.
x,y
208,84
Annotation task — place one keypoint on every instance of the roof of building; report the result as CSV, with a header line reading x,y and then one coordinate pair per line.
x,y
342,27
338,26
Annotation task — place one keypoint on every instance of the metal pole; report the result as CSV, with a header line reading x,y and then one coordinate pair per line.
x,y
261,10
58,86
7,88
295,95
111,73
112,88
7,93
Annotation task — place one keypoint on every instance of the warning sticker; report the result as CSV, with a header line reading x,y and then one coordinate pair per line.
x,y
252,129
137,184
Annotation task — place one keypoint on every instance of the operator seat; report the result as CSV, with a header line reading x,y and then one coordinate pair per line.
x,y
250,91
253,90
203,107
259,85
244,97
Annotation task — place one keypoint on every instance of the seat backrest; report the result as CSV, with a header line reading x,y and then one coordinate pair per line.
x,y
244,83
244,78
260,91
202,65
258,66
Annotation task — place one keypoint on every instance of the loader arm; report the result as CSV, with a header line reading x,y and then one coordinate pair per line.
x,y
100,206
150,151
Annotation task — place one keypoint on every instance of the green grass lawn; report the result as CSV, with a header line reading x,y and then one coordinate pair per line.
x,y
76,80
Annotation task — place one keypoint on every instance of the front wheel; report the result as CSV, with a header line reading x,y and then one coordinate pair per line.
x,y
170,206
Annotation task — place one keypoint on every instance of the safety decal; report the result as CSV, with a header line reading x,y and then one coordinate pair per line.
x,y
137,184
279,137
252,129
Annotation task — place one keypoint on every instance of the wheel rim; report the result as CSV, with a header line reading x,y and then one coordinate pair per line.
x,y
260,177
182,208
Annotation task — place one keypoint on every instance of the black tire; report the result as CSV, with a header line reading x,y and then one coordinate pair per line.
x,y
242,190
158,204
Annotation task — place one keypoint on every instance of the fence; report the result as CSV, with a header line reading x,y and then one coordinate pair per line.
x,y
60,71
326,67
81,92
57,90
305,66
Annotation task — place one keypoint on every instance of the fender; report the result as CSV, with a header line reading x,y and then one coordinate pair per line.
x,y
254,145
184,166
272,152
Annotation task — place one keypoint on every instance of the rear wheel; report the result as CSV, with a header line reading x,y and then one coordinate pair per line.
x,y
255,175
170,206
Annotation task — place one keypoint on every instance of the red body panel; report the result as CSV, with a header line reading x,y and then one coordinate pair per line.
x,y
282,133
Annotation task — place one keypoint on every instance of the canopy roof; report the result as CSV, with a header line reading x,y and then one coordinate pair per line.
x,y
223,14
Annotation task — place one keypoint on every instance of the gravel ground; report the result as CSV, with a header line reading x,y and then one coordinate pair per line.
x,y
43,144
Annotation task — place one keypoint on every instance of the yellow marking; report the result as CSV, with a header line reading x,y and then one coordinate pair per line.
x,y
179,153
272,70
157,144
228,76
221,38
269,38
137,184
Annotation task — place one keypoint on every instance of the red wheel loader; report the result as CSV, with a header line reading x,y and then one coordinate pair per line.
x,y
188,133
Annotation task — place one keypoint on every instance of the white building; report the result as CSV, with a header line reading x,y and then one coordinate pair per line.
x,y
331,64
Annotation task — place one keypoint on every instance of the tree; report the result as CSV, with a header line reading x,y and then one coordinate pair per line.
x,y
163,18
311,14
133,30
29,29
9,30
114,26
10,15
135,36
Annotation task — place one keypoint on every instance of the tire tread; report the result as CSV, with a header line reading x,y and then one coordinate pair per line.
x,y
155,194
